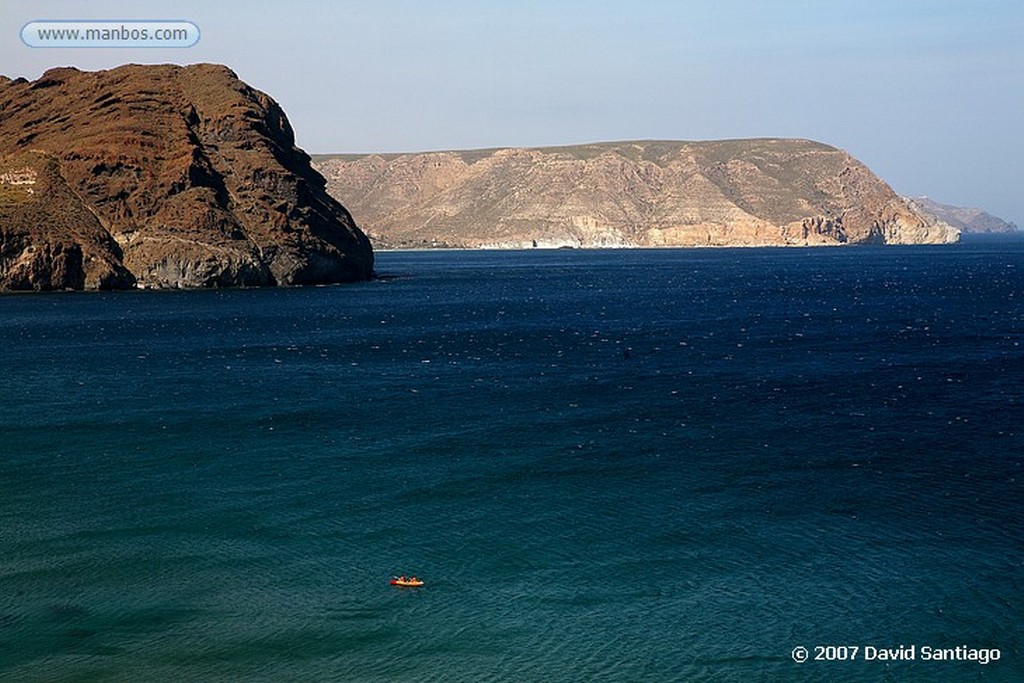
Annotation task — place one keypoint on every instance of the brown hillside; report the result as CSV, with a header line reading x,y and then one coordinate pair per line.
x,y
165,175
646,193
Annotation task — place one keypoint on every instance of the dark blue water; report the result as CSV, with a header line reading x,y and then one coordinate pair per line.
x,y
608,466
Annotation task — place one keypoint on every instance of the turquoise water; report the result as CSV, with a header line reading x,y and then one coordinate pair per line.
x,y
608,466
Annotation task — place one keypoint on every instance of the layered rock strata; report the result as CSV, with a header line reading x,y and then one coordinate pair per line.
x,y
760,192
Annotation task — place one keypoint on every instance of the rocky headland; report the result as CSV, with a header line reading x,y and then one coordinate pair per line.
x,y
165,177
966,219
757,192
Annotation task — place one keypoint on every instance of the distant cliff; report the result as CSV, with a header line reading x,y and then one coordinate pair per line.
x,y
965,219
644,193
161,176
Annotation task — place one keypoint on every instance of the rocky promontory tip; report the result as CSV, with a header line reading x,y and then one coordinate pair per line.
x,y
756,192
965,219
162,176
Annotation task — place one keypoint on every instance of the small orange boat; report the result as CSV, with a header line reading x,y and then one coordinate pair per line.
x,y
404,582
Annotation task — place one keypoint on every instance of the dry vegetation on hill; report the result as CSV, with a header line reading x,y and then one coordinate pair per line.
x,y
644,193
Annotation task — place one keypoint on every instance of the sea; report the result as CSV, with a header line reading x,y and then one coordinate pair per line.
x,y
611,465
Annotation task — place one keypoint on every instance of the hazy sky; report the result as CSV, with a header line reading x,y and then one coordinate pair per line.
x,y
928,93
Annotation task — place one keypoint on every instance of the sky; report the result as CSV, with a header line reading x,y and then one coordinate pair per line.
x,y
928,93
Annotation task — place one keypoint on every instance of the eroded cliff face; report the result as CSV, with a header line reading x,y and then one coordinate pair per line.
x,y
162,176
768,192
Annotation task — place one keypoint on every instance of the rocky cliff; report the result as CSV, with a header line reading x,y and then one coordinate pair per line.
x,y
645,193
161,176
965,219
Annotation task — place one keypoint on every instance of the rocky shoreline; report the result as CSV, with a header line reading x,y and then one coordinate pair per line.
x,y
182,177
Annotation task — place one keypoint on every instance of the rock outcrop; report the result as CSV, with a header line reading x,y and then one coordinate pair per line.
x,y
646,193
162,176
968,220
